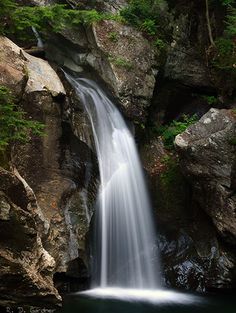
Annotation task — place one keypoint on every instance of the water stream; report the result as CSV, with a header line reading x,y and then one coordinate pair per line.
x,y
125,238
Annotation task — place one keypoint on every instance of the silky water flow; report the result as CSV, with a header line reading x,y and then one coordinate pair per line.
x,y
126,263
126,235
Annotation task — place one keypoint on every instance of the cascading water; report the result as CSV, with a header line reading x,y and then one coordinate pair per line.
x,y
126,234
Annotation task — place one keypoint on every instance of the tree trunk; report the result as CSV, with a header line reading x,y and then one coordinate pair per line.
x,y
209,25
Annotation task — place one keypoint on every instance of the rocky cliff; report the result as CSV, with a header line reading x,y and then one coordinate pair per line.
x,y
63,183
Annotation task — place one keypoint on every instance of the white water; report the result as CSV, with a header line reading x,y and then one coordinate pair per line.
x,y
125,237
158,296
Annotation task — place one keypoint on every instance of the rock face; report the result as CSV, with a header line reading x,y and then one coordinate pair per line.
x,y
186,61
119,55
13,67
60,168
130,69
100,5
26,268
207,152
188,79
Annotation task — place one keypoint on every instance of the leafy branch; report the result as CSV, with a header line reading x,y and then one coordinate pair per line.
x,y
16,19
13,124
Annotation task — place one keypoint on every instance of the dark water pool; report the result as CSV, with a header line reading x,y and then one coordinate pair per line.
x,y
84,304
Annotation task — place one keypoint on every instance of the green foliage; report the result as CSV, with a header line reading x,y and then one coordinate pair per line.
x,y
13,125
227,2
148,16
140,11
231,22
16,19
159,43
211,100
121,62
169,132
113,36
149,26
6,6
225,57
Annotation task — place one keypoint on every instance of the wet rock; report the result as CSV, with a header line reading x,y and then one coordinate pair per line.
x,y
189,262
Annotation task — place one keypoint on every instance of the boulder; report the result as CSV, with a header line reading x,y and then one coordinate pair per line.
x,y
41,77
189,261
208,158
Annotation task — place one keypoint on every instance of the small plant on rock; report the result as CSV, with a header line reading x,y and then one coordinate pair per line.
x,y
211,100
113,36
169,132
13,124
121,62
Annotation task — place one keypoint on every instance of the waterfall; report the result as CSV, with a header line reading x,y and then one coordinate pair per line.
x,y
126,237
39,39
